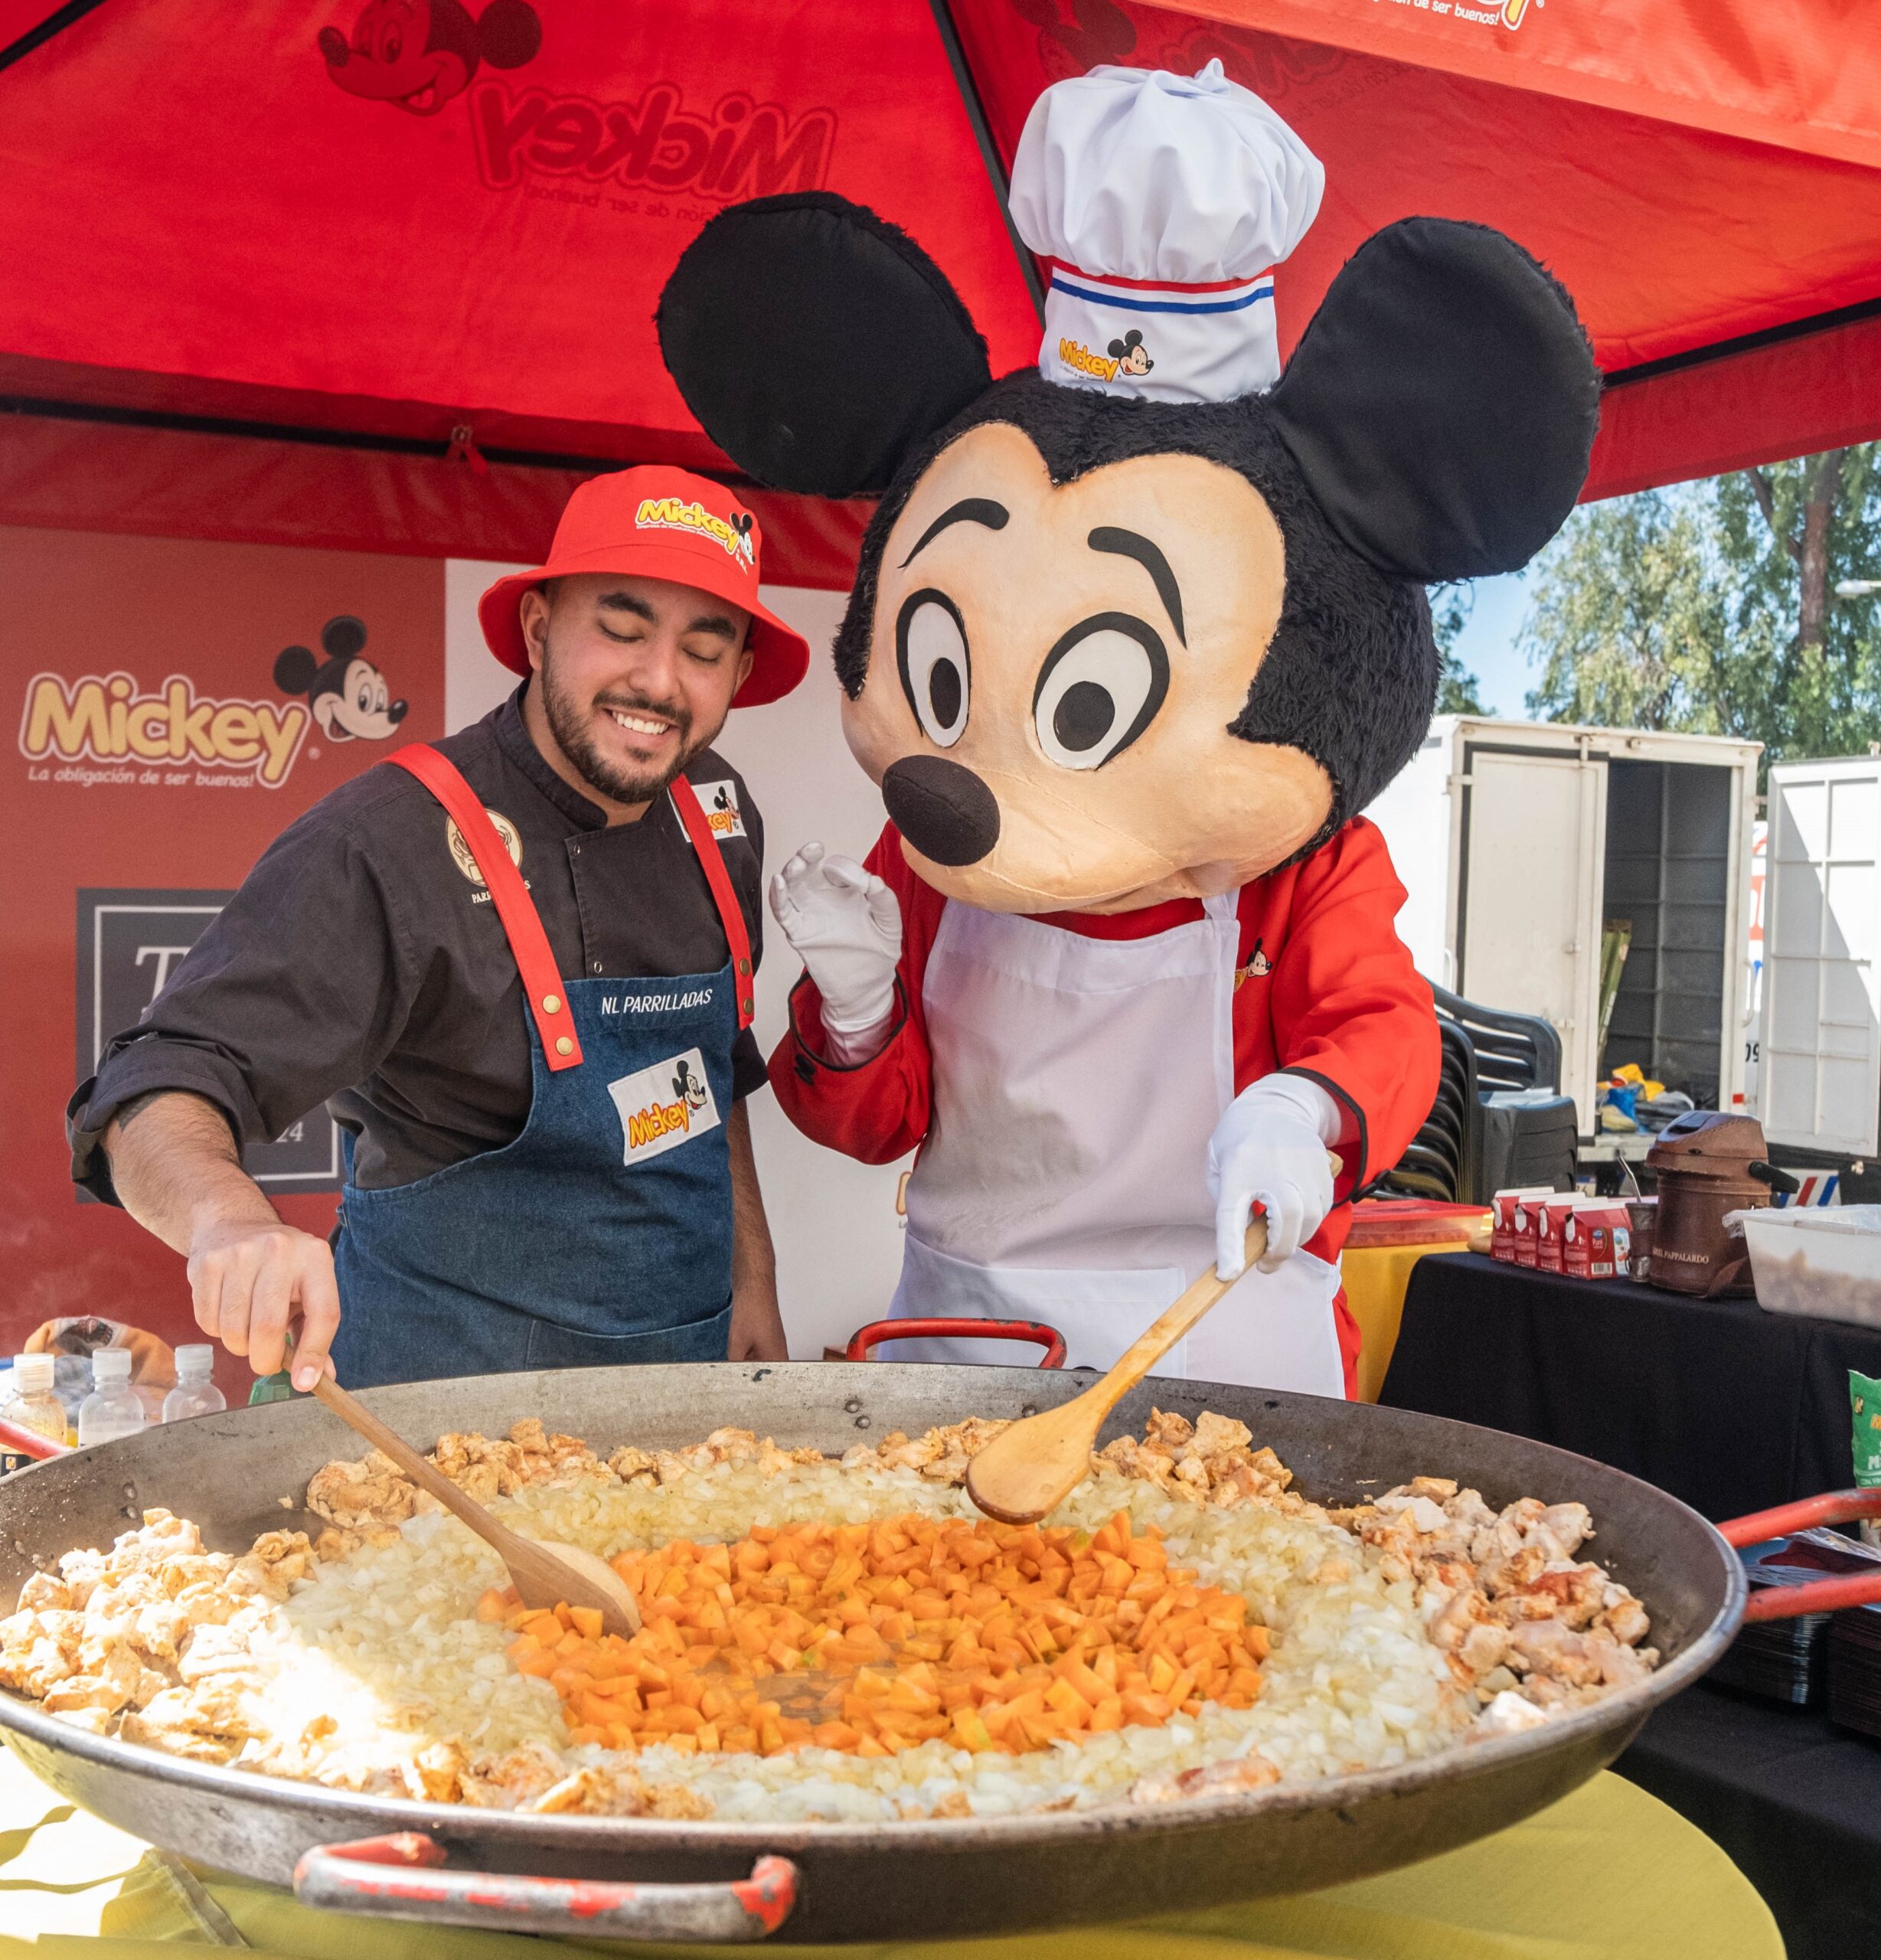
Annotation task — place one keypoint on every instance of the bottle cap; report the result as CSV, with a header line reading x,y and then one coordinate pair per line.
x,y
33,1374
196,1360
110,1364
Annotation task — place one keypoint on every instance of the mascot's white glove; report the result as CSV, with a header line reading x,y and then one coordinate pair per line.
x,y
846,928
1269,1149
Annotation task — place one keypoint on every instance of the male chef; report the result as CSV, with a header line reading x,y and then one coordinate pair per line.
x,y
517,966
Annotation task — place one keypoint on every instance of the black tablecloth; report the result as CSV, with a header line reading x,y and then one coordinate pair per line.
x,y
1795,1803
1729,1407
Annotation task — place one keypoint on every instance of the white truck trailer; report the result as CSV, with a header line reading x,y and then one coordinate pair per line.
x,y
1517,842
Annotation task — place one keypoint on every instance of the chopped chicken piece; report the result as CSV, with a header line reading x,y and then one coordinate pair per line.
x,y
1251,1772
369,1492
679,1803
900,1452
509,1782
435,1774
1508,1714
1165,1430
1592,1659
207,1723
632,1466
1214,1433
589,1791
47,1589
1624,1617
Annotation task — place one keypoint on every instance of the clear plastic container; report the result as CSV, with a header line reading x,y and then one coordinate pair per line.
x,y
113,1408
1821,1260
194,1393
33,1405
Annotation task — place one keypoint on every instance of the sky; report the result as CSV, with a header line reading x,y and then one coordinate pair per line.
x,y
1487,646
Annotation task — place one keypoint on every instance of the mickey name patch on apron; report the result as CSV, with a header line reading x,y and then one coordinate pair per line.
x,y
664,1106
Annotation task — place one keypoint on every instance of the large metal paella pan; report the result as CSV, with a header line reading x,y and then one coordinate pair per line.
x,y
828,1881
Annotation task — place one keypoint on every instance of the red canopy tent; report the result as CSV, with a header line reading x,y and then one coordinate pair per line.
x,y
263,262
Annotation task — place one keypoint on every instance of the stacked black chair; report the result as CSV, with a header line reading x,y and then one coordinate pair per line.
x,y
1485,1050
1513,1051
1440,1163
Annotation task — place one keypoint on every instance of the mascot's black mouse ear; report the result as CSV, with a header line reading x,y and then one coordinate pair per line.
x,y
1443,402
817,344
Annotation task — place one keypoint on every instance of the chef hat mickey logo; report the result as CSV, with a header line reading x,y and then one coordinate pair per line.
x,y
1163,203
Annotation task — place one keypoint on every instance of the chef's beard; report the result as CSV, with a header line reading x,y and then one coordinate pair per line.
x,y
572,725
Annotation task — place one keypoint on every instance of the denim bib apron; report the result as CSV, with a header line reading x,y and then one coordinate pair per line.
x,y
603,1233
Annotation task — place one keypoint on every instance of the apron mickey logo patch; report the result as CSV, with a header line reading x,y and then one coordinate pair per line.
x,y
460,851
720,802
664,1106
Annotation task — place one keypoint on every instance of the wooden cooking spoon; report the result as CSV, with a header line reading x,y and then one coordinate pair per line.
x,y
545,1574
1026,1469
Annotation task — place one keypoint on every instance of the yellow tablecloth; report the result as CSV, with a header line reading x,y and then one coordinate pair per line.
x,y
1608,1874
1375,1278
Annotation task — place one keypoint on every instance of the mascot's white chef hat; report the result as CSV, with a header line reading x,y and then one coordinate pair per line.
x,y
1163,202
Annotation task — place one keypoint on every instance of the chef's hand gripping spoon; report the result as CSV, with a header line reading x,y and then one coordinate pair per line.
x,y
545,1574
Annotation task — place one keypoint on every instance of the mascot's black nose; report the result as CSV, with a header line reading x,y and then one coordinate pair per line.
x,y
396,713
333,46
945,812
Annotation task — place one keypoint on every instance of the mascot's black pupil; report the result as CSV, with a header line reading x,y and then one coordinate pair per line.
x,y
943,691
1083,716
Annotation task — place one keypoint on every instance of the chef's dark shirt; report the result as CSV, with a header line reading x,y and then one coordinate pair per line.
x,y
359,966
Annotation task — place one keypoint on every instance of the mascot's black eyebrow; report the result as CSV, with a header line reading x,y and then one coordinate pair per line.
x,y
969,510
1129,544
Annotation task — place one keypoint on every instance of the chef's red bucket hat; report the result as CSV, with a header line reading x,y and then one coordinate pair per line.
x,y
656,523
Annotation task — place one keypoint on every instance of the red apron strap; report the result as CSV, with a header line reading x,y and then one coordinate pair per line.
x,y
730,913
515,910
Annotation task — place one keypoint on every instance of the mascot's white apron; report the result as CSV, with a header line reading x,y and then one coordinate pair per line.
x,y
1064,1178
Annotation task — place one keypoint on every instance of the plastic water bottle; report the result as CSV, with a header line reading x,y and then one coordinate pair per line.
x,y
112,1408
33,1406
194,1393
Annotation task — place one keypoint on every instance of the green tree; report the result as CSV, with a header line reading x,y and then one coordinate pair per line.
x,y
1456,687
1711,608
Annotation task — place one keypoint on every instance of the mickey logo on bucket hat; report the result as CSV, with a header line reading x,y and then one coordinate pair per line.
x,y
657,523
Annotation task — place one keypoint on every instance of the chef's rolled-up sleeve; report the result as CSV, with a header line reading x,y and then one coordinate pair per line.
x,y
1350,1010
298,989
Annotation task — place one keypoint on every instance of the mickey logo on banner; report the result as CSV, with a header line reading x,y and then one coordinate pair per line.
x,y
419,54
348,695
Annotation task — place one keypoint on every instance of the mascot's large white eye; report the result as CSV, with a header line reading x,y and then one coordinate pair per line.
x,y
931,646
1098,690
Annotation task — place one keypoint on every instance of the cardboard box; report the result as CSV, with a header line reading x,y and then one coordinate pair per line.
x,y
1503,1229
1551,1217
1525,1230
1596,1239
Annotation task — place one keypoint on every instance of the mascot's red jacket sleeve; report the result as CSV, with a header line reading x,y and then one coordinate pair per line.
x,y
1324,988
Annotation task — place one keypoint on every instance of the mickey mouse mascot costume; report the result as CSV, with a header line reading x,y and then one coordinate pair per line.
x,y
1134,639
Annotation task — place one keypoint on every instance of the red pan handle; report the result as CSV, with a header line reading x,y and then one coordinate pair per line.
x,y
1048,1337
1820,1595
400,1876
30,1442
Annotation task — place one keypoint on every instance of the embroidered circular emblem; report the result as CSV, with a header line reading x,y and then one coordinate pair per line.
x,y
460,851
